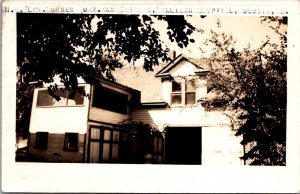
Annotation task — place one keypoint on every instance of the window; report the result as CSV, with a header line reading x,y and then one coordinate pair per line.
x,y
183,93
104,144
41,140
71,142
110,100
67,98
190,93
176,93
157,147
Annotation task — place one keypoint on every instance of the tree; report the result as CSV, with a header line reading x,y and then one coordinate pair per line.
x,y
68,46
251,85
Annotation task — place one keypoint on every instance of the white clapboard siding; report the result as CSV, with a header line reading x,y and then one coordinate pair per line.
x,y
101,115
219,143
182,116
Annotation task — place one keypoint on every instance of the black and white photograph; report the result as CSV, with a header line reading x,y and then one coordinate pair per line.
x,y
169,89
163,89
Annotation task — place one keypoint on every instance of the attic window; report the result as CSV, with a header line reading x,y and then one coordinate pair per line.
x,y
183,93
190,93
176,93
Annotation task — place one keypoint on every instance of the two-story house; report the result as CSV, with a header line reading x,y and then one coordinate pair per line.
x,y
79,129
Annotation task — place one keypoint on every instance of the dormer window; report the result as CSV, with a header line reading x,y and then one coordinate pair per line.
x,y
184,81
176,93
190,93
183,93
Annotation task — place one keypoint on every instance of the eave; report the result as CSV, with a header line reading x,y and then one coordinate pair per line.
x,y
164,72
201,72
146,105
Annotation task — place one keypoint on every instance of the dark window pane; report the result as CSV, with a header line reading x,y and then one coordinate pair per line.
x,y
123,137
75,98
94,152
155,144
157,147
116,136
106,134
71,141
43,98
190,98
154,158
95,133
110,100
176,87
41,141
105,155
115,151
159,159
160,144
176,99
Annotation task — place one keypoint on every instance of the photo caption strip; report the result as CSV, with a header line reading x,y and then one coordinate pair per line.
x,y
196,9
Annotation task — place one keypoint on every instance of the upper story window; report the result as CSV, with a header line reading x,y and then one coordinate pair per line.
x,y
110,100
67,98
183,93
190,93
176,93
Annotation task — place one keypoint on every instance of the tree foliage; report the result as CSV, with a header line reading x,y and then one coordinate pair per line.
x,y
252,86
139,141
68,46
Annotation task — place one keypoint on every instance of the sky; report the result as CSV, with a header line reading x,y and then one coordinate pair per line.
x,y
244,29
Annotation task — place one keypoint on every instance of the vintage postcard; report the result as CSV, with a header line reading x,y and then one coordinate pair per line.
x,y
150,96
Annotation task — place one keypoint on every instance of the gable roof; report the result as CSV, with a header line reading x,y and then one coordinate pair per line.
x,y
118,85
147,83
136,77
164,72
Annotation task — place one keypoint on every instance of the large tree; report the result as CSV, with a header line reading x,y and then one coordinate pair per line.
x,y
67,45
251,86
74,45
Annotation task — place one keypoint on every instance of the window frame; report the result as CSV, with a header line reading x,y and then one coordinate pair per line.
x,y
39,143
177,93
97,103
189,92
101,141
183,93
67,94
67,138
